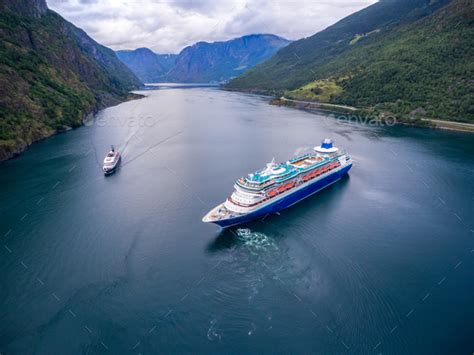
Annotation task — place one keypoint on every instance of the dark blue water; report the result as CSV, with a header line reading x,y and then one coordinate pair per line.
x,y
381,262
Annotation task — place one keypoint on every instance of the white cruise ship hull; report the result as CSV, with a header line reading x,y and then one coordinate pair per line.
x,y
281,202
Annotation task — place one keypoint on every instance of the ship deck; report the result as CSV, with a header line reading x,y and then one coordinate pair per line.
x,y
283,171
220,213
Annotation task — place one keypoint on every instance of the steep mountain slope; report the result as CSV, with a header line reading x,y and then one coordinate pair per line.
x,y
293,66
51,75
148,66
218,61
416,69
422,70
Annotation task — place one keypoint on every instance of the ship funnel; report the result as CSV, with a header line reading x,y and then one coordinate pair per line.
x,y
326,147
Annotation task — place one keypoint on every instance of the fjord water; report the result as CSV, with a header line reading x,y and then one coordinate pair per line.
x,y
380,262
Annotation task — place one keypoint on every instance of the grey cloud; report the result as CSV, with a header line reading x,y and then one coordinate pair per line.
x,y
166,26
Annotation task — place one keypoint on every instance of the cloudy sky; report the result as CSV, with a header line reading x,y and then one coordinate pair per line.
x,y
167,26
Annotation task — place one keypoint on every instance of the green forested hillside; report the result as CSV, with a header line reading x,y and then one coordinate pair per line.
x,y
420,63
51,75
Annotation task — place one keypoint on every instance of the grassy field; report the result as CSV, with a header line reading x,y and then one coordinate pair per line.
x,y
319,90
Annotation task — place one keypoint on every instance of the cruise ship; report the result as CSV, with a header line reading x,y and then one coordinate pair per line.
x,y
111,161
279,186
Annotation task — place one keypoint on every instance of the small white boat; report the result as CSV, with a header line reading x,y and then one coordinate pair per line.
x,y
111,162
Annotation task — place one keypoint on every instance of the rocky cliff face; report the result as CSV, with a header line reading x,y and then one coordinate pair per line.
x,y
219,61
33,8
203,62
52,74
148,66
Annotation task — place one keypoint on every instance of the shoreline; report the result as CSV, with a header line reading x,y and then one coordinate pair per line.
x,y
21,148
451,125
430,123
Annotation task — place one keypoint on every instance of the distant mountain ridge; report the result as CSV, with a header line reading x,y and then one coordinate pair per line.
x,y
52,74
407,58
219,61
205,62
148,66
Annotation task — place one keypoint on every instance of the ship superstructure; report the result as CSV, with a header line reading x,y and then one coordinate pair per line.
x,y
111,161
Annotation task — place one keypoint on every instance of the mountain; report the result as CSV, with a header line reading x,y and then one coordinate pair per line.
x,y
292,66
148,66
205,62
402,57
52,74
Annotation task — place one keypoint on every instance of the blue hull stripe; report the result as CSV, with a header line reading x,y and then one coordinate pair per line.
x,y
287,201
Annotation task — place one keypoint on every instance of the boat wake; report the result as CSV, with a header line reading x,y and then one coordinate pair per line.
x,y
255,240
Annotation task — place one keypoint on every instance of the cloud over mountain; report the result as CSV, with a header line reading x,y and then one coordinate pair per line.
x,y
167,26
